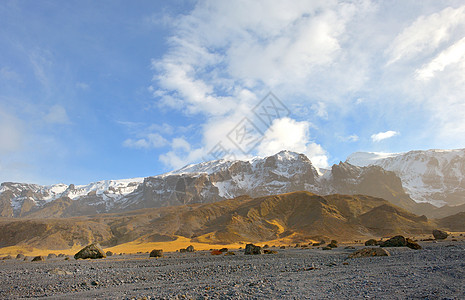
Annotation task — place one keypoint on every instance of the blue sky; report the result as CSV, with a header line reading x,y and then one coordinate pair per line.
x,y
93,90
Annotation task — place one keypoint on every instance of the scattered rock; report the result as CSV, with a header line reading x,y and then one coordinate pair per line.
x,y
229,253
8,257
57,271
94,283
282,247
333,244
251,249
371,242
156,253
39,258
61,255
182,250
190,249
297,245
216,252
224,250
349,247
400,241
368,252
327,248
109,253
92,251
51,256
439,234
270,251
20,256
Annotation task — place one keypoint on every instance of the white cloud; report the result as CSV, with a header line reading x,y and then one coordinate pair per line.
x,y
150,141
288,134
452,55
426,33
57,115
181,154
383,135
11,133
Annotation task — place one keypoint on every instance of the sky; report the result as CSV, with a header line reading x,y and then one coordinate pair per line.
x,y
96,90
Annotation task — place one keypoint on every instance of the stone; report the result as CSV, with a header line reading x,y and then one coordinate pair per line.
x,y
51,256
349,247
282,247
190,249
20,256
216,252
266,251
251,249
223,250
92,251
39,258
439,234
397,241
182,250
156,253
229,253
327,248
371,242
8,257
413,245
332,244
369,252
109,253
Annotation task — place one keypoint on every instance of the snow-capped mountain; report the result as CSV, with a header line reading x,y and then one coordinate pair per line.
x,y
432,176
201,183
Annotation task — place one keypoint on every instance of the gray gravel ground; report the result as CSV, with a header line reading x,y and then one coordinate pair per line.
x,y
435,272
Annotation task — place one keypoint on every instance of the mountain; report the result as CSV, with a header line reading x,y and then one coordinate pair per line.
x,y
433,176
298,216
207,182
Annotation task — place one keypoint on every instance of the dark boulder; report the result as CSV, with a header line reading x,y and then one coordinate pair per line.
x,y
251,249
39,258
20,256
333,244
51,256
109,253
92,251
439,234
190,249
156,253
397,241
371,242
266,251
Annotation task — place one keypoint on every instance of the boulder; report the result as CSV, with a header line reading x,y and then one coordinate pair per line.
x,y
51,256
397,241
223,250
371,242
229,253
190,249
413,245
333,244
156,253
182,250
282,247
39,258
270,251
327,248
369,252
8,257
109,253
216,252
20,256
92,251
251,249
439,234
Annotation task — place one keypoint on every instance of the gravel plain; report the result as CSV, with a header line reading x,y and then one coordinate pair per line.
x,y
435,272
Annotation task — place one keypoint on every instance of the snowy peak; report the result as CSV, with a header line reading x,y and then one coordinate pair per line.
x,y
432,176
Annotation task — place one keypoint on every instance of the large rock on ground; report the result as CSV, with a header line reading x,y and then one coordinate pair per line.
x,y
92,251
369,252
156,253
38,258
400,241
439,234
251,249
190,249
371,242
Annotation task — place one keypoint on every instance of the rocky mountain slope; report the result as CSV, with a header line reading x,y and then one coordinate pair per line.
x,y
298,215
203,183
432,176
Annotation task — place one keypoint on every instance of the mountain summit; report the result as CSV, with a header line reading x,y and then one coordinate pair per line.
x,y
218,180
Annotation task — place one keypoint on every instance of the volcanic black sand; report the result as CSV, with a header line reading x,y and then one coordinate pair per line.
x,y
435,272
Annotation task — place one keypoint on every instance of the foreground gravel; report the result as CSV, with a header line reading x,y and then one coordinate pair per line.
x,y
435,272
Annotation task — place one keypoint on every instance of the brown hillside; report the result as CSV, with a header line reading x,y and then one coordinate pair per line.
x,y
298,215
453,223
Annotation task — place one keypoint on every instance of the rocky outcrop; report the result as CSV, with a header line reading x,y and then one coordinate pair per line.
x,y
439,234
92,251
369,252
251,249
156,253
400,241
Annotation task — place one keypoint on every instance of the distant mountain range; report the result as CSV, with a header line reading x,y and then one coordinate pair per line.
x,y
412,181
